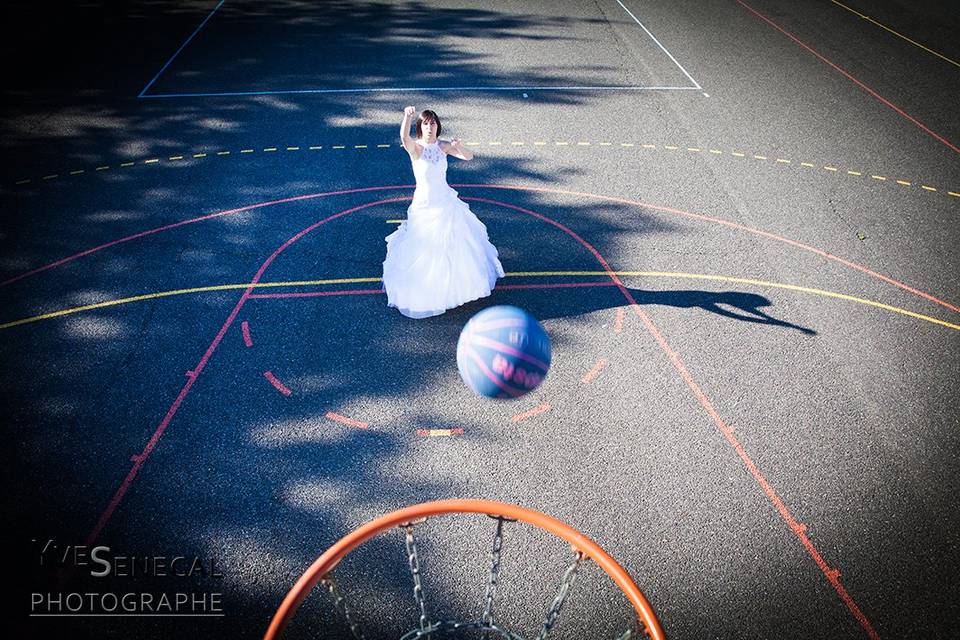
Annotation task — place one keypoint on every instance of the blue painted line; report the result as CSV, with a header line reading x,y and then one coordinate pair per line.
x,y
409,89
192,36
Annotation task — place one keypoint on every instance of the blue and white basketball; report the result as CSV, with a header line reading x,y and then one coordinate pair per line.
x,y
503,352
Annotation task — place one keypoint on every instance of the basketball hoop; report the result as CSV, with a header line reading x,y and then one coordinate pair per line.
x,y
407,518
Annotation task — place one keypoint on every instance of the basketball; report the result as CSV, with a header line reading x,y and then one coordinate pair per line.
x,y
503,353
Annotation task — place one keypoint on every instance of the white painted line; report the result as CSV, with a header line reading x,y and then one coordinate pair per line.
x,y
697,86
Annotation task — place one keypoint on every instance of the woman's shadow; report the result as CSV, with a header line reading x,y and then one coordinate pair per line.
x,y
546,303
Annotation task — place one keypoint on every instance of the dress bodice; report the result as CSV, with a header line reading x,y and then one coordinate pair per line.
x,y
430,171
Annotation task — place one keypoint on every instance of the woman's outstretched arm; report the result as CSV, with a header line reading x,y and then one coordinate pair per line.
x,y
405,138
456,149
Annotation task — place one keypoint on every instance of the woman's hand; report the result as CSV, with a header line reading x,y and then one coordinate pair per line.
x,y
409,111
456,149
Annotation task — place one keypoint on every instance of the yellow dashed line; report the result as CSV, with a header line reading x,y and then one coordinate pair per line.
x,y
561,144
854,173
383,146
199,155
474,144
649,146
807,164
738,154
626,144
293,148
583,144
904,183
339,146
246,150
954,194
51,177
693,149
225,153
103,168
517,143
783,161
760,157
716,151
923,186
878,177
494,143
606,144
539,143
359,146
176,157
270,149
77,172
151,161
27,181
829,168
671,147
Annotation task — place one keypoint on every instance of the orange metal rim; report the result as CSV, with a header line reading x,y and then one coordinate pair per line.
x,y
332,556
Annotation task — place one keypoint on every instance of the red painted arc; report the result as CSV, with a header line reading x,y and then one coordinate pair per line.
x,y
726,430
636,203
850,77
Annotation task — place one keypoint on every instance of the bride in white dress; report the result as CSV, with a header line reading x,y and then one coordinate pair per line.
x,y
440,257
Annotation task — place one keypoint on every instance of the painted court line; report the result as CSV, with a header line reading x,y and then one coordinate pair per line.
x,y
520,417
245,328
192,36
662,48
350,422
417,89
594,372
850,77
279,386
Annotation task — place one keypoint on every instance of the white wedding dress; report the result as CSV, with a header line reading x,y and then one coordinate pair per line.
x,y
441,256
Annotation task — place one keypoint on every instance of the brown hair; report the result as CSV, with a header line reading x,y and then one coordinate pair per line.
x,y
426,114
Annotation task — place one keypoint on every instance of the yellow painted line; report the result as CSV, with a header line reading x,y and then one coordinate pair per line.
x,y
783,161
649,146
474,144
246,150
694,149
382,146
716,151
318,147
517,143
923,186
27,181
199,155
738,154
103,168
176,157
671,147
359,146
583,144
151,161
394,221
626,144
51,177
561,144
494,143
904,183
899,35
606,144
339,146
854,173
954,194
439,433
512,274
270,149
293,148
539,143
223,153
77,172
760,157
829,168
878,177
807,164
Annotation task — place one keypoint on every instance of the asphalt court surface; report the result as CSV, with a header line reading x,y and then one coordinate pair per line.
x,y
760,426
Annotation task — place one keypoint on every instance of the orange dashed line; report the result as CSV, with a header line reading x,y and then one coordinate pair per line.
x,y
590,375
533,412
276,383
439,433
618,327
345,420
